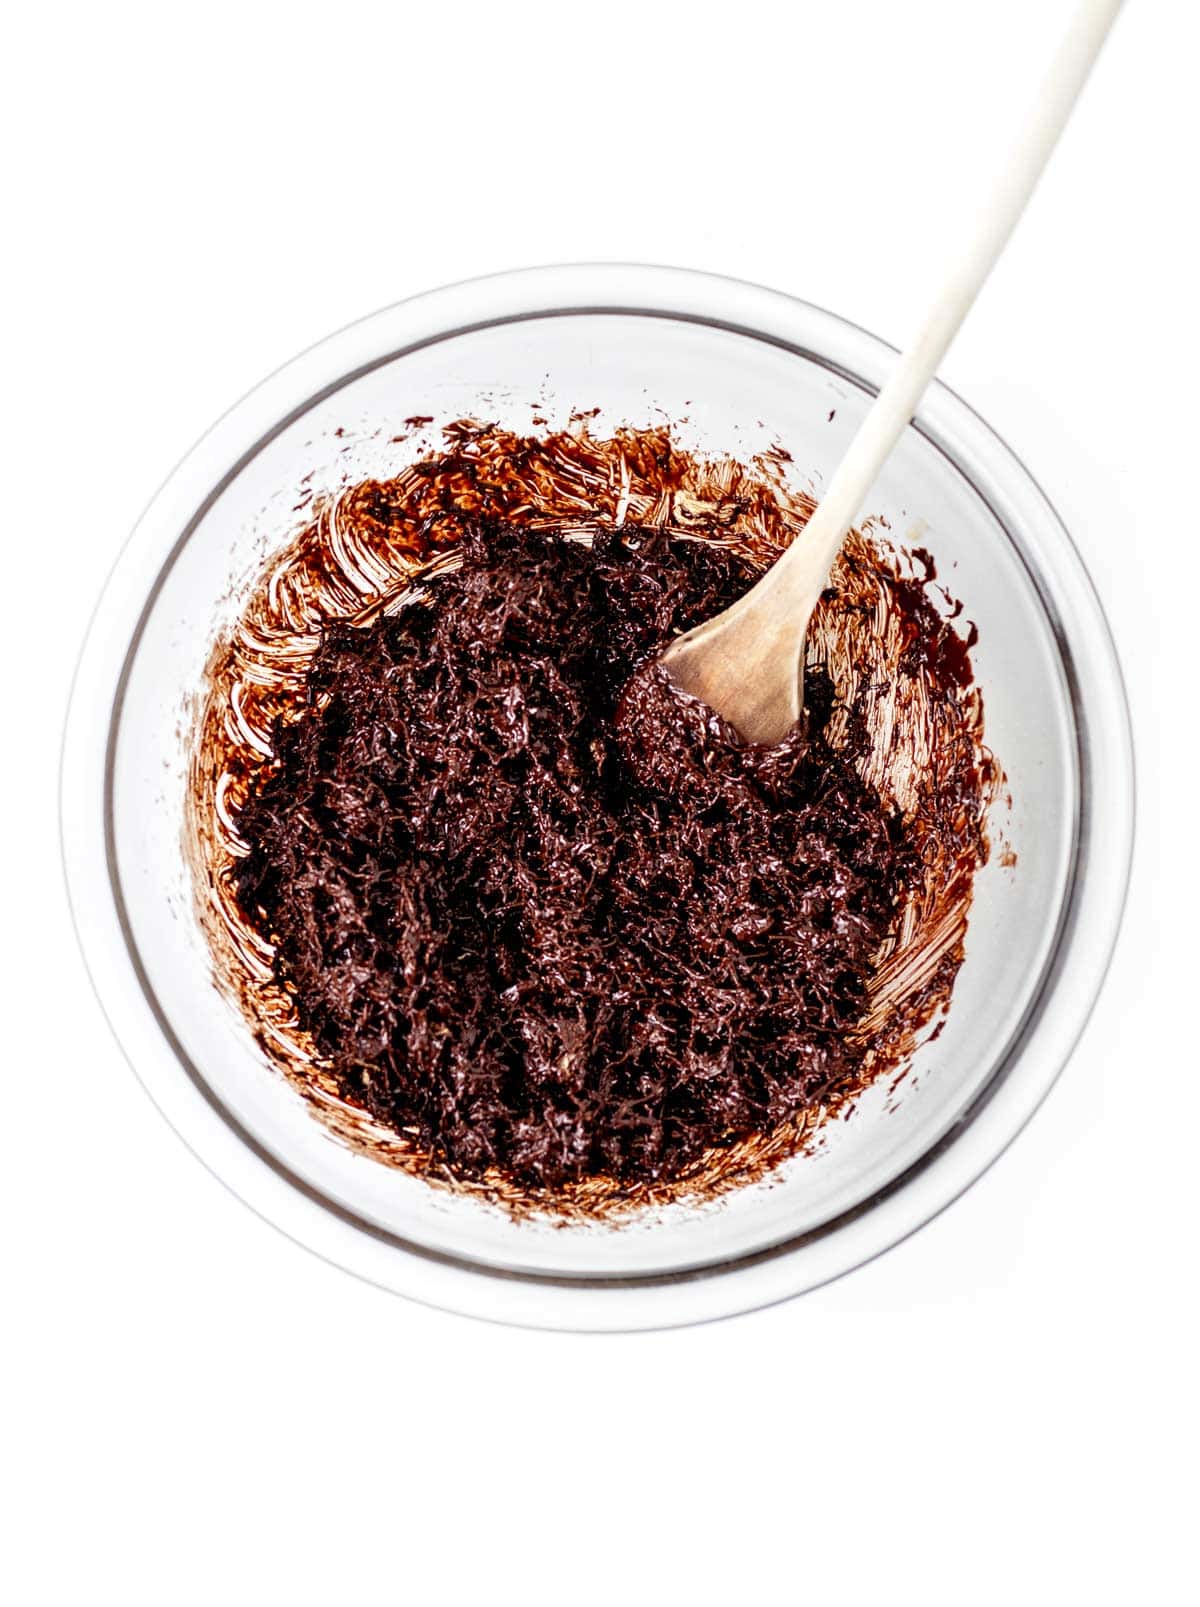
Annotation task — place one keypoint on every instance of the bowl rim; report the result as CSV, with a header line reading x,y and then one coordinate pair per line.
x,y
1092,906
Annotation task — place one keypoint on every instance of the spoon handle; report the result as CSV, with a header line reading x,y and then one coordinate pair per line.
x,y
811,558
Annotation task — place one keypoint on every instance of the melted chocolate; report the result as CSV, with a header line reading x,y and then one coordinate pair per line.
x,y
400,773
540,911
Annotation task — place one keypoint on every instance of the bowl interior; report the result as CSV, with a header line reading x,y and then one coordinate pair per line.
x,y
726,391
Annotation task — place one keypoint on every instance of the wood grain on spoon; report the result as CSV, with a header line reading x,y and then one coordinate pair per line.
x,y
747,663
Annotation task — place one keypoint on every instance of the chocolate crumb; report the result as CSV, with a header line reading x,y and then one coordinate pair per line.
x,y
499,603
541,910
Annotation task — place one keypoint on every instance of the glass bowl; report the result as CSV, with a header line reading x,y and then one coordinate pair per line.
x,y
744,367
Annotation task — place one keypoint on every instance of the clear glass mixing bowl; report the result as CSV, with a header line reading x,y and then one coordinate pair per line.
x,y
745,367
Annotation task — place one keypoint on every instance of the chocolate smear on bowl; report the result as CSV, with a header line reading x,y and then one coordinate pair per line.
x,y
511,912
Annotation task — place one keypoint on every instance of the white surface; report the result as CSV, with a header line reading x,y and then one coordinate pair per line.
x,y
1004,1404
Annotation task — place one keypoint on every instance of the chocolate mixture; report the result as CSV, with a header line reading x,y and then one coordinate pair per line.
x,y
511,912
553,920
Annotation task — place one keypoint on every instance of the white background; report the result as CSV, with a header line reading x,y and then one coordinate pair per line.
x,y
196,1410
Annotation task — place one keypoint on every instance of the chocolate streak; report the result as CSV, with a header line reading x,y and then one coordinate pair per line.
x,y
664,958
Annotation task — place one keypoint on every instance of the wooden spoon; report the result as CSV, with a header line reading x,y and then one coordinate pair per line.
x,y
747,663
